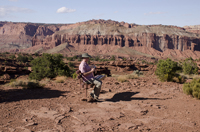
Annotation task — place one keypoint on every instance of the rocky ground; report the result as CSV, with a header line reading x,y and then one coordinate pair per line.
x,y
139,105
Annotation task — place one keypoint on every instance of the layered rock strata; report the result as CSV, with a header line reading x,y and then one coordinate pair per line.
x,y
151,40
97,32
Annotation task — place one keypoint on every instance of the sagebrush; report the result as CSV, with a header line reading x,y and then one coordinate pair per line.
x,y
192,88
189,66
50,66
166,69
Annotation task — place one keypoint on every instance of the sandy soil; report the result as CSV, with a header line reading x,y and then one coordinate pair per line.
x,y
139,105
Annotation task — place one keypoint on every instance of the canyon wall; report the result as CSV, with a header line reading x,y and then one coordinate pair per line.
x,y
19,35
193,29
160,43
97,32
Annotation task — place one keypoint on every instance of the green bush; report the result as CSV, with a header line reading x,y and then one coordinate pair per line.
x,y
124,59
189,67
112,58
7,53
22,58
144,61
25,84
97,58
79,59
30,58
179,79
12,57
70,58
49,66
166,69
70,64
74,75
75,57
36,54
192,88
33,85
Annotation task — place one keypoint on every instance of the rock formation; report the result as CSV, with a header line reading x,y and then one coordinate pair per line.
x,y
100,33
193,29
151,40
19,35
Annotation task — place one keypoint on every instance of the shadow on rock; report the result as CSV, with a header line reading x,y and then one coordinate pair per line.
x,y
24,94
127,96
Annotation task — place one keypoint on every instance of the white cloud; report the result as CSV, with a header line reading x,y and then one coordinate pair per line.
x,y
153,13
6,11
116,12
65,10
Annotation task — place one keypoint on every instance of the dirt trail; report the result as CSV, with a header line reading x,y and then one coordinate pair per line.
x,y
139,105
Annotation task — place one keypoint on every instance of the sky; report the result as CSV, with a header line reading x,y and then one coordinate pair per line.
x,y
142,12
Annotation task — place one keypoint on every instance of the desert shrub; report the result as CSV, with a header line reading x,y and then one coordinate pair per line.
x,y
96,58
124,78
12,57
70,64
22,58
3,55
36,54
30,58
7,52
192,88
137,72
14,83
112,58
49,66
89,61
60,79
189,67
124,59
155,62
27,84
75,57
144,61
179,79
79,59
33,85
70,58
166,69
137,62
74,75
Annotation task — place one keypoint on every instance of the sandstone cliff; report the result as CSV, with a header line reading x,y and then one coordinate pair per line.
x,y
193,29
100,36
158,37
19,35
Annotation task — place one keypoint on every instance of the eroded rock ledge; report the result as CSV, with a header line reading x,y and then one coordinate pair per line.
x,y
160,43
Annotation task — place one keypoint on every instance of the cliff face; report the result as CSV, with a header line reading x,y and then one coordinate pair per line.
x,y
193,29
160,43
158,37
19,35
98,33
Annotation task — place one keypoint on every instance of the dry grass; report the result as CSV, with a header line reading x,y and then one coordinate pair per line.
x,y
60,79
124,78
26,83
192,76
179,79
